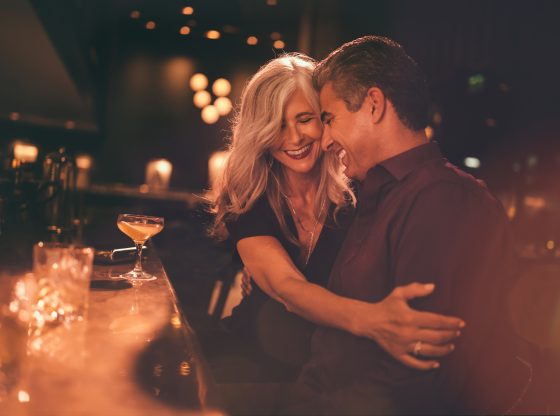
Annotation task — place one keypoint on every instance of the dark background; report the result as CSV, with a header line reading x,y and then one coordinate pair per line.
x,y
493,68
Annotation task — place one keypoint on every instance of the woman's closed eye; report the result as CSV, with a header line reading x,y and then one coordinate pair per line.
x,y
305,120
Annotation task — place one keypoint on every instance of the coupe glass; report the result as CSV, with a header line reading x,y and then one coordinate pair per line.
x,y
139,228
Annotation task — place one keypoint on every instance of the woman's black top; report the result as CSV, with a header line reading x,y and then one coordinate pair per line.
x,y
281,337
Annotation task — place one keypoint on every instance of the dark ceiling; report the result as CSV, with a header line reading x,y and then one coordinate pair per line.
x,y
34,81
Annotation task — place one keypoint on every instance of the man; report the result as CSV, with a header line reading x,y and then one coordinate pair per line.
x,y
418,218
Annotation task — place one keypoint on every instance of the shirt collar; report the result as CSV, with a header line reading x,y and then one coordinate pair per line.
x,y
398,167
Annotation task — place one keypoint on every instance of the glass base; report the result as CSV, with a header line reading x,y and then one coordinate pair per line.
x,y
137,276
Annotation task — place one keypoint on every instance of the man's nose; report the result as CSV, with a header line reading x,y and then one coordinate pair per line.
x,y
326,140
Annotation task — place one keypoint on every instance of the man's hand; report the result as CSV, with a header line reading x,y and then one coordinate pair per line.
x,y
407,334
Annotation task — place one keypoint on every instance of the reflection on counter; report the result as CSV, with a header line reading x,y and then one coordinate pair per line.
x,y
134,354
172,373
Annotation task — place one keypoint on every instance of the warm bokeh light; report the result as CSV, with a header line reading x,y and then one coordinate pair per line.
x,y
550,245
158,174
164,166
511,211
271,2
135,14
69,125
202,98
252,40
188,10
84,161
198,82
216,164
23,396
221,87
429,132
278,44
151,25
210,114
213,34
534,202
184,368
25,152
491,122
185,30
472,162
437,118
224,105
14,116
275,36
175,321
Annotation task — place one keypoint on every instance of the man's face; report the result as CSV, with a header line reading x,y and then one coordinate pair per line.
x,y
347,134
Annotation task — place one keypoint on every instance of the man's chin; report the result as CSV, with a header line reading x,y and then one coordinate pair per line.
x,y
351,174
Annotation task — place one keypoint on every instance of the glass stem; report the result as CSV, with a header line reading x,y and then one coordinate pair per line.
x,y
138,264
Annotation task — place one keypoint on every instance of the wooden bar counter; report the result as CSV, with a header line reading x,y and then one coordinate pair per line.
x,y
135,354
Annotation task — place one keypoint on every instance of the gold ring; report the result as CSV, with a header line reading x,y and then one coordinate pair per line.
x,y
417,348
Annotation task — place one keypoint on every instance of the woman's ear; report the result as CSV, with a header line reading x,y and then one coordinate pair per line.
x,y
377,102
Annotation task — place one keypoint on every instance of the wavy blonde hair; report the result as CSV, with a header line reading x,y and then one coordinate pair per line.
x,y
250,170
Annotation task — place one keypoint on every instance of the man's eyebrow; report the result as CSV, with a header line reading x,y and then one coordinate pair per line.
x,y
324,115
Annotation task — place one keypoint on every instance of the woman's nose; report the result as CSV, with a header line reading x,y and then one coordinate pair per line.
x,y
295,136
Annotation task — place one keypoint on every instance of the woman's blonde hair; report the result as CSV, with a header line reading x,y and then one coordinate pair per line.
x,y
250,171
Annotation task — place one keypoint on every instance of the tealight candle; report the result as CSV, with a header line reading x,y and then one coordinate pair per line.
x,y
83,163
158,174
25,153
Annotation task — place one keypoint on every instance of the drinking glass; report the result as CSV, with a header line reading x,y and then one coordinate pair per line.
x,y
139,228
63,274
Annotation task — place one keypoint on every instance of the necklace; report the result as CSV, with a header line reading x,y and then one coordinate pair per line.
x,y
300,222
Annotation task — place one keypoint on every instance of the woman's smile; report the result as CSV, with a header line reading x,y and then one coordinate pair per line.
x,y
300,153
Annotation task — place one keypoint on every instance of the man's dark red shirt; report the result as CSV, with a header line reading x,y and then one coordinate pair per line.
x,y
420,219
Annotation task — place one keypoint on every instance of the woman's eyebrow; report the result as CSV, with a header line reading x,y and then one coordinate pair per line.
x,y
305,113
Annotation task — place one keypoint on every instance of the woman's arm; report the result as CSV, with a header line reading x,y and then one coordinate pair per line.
x,y
391,323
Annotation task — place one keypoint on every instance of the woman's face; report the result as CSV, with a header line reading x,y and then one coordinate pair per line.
x,y
299,144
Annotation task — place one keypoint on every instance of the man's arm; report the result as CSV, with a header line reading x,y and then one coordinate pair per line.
x,y
458,237
390,322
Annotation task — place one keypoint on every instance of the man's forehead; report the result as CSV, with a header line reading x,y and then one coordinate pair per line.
x,y
327,95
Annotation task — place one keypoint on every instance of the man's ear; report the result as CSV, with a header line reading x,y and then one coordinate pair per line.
x,y
377,102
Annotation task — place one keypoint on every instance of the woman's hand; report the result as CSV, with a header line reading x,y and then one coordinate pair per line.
x,y
407,334
246,285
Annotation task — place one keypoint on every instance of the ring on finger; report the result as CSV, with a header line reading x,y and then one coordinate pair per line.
x,y
417,348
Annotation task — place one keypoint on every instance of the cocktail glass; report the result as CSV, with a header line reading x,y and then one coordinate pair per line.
x,y
139,228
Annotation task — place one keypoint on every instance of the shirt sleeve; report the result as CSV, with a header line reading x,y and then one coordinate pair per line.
x,y
457,236
258,221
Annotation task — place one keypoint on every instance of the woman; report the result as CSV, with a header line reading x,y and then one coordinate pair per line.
x,y
285,204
